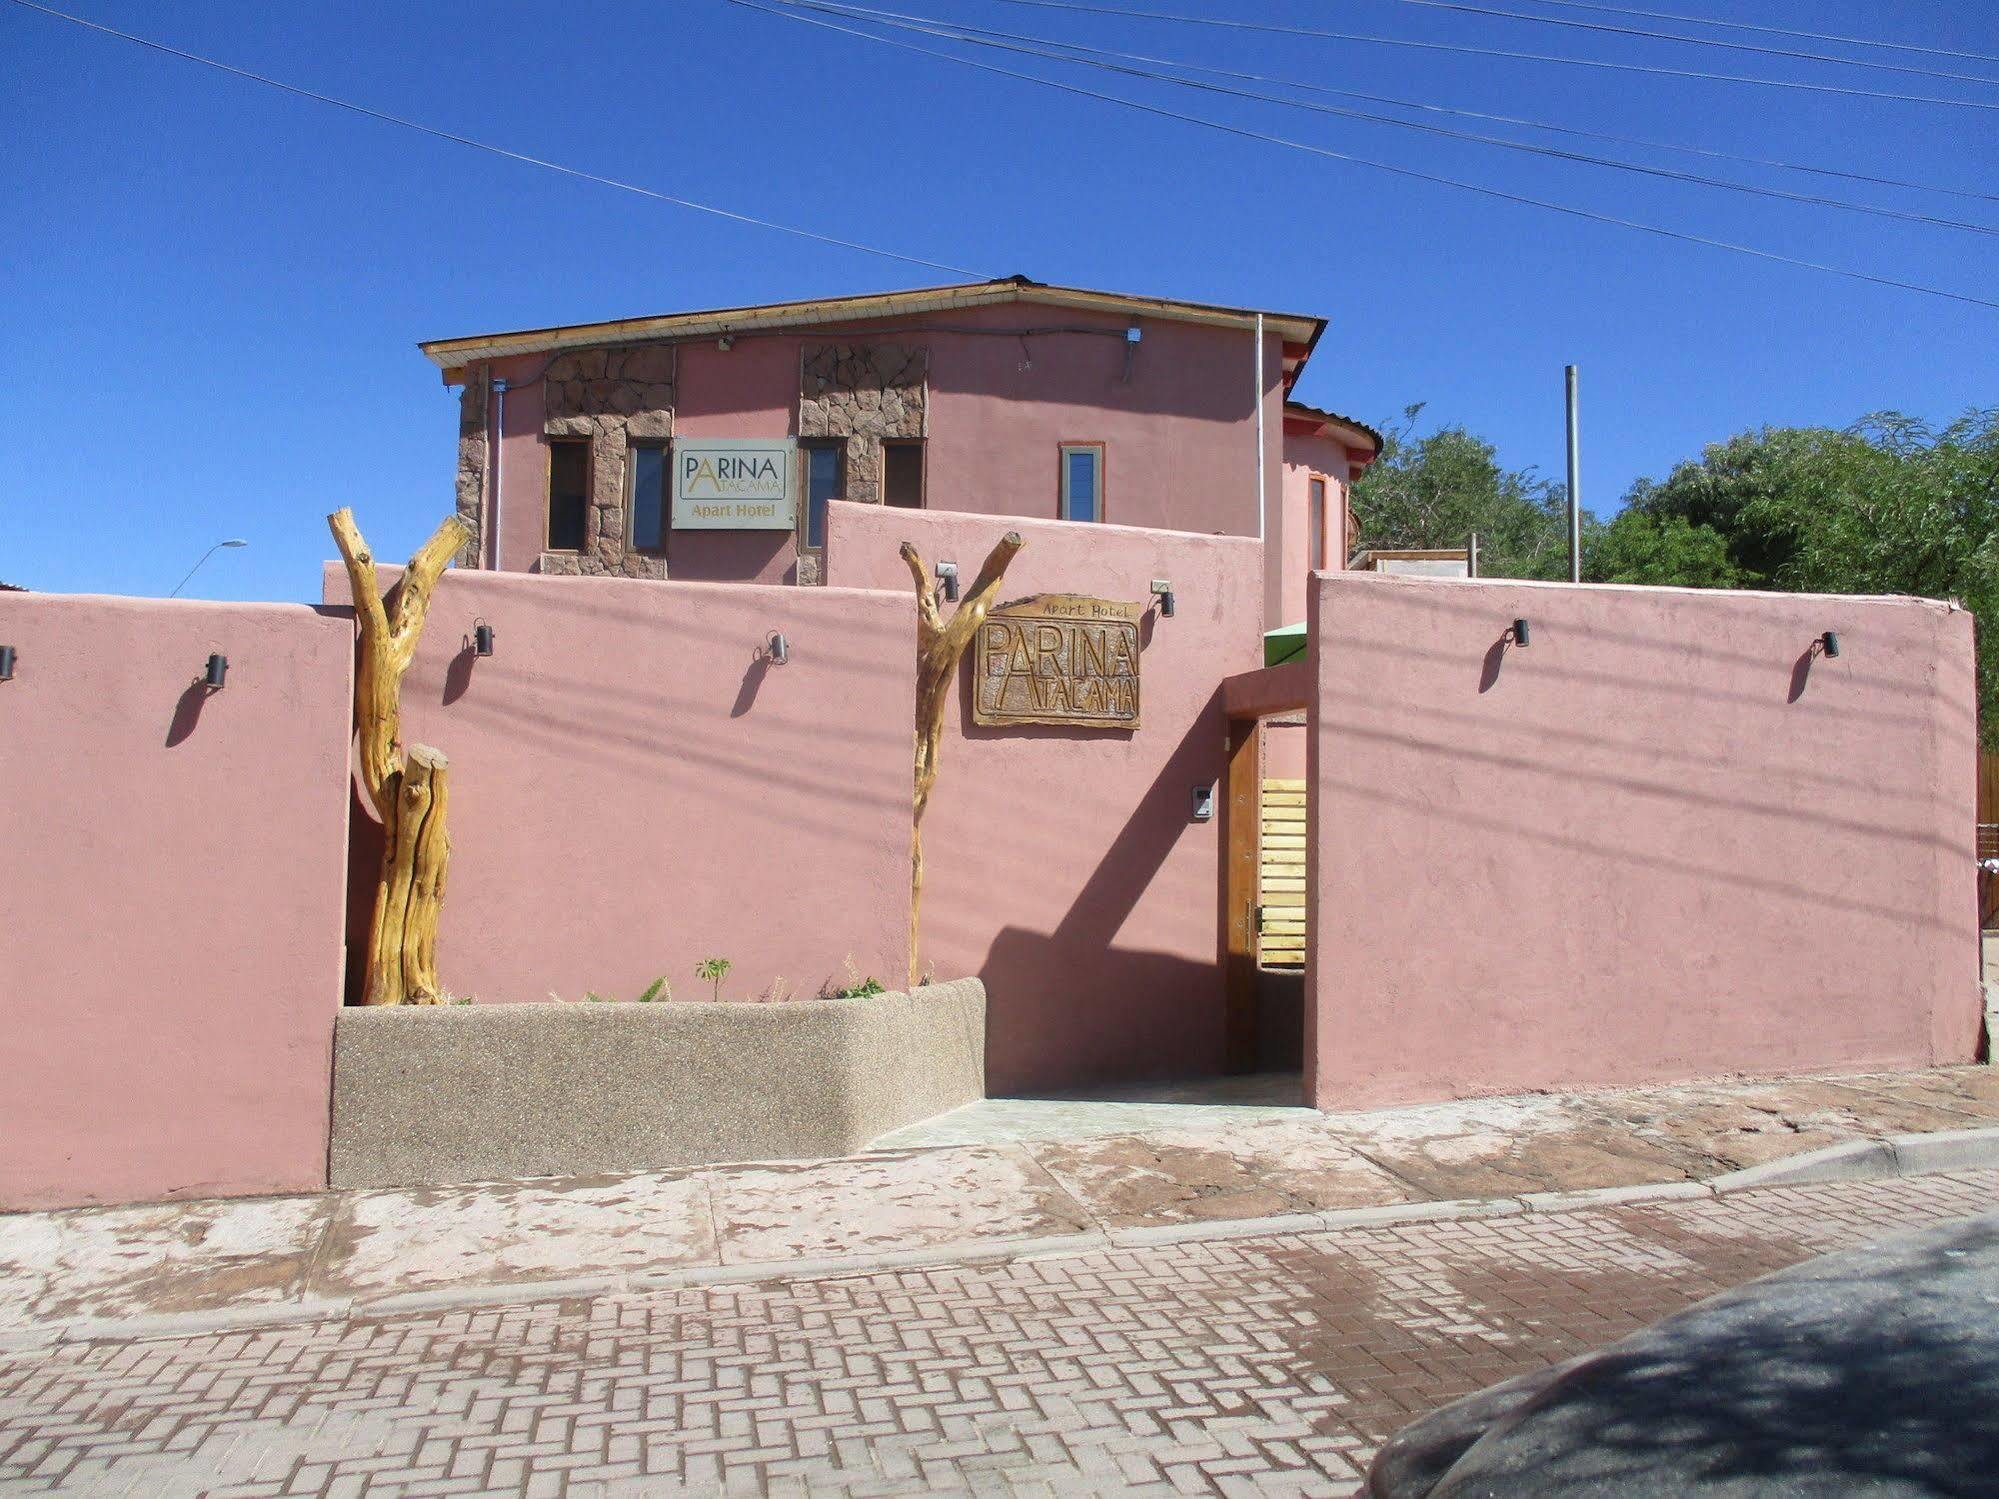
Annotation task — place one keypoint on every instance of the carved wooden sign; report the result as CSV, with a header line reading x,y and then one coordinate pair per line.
x,y
1058,658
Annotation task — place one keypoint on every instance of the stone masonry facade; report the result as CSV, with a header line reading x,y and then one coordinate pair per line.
x,y
864,394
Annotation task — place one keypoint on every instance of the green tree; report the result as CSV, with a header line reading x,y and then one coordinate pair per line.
x,y
1435,490
1636,547
1890,505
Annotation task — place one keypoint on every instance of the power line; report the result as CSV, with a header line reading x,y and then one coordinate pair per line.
x,y
1466,8
1810,36
1319,34
1596,135
1244,133
500,151
1087,56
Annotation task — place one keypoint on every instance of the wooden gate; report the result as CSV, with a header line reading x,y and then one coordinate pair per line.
x,y
1280,875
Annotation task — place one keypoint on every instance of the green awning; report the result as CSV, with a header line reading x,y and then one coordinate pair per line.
x,y
1286,643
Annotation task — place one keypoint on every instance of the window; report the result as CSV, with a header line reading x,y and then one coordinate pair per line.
x,y
568,494
902,474
647,503
1082,481
825,479
1316,558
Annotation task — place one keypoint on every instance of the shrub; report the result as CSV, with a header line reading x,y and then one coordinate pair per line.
x,y
714,970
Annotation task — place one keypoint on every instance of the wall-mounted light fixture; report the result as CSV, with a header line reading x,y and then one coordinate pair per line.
x,y
1162,589
217,670
482,638
6,663
1518,633
947,573
779,650
1829,642
726,342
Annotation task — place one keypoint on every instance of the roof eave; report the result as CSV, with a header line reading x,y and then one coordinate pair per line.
x,y
454,353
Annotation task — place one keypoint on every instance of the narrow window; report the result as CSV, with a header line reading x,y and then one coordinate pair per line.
x,y
902,474
648,505
825,479
568,494
1317,556
1083,481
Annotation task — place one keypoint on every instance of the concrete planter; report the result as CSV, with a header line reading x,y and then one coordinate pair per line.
x,y
455,1093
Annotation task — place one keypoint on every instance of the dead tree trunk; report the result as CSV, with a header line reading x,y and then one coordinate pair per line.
x,y
940,644
409,792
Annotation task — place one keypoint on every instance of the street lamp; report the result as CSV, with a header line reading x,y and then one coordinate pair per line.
x,y
204,557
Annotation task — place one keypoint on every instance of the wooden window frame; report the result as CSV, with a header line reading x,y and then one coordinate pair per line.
x,y
1324,482
664,446
806,446
922,470
548,496
1062,452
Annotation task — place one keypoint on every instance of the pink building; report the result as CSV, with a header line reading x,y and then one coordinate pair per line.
x,y
586,449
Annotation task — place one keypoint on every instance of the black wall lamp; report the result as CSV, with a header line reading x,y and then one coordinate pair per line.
x,y
1162,589
1518,633
780,649
947,573
482,638
217,671
1829,642
6,663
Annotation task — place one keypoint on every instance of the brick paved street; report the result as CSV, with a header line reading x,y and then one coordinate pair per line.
x,y
1225,1366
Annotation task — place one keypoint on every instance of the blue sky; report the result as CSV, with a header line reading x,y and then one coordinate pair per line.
x,y
212,292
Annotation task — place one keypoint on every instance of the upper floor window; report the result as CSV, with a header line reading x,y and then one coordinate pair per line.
x,y
902,473
568,493
1316,508
648,501
825,479
1082,481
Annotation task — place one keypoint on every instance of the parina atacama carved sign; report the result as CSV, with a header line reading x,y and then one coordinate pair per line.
x,y
1058,658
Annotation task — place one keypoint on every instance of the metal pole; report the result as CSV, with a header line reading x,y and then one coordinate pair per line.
x,y
1471,556
1258,396
1575,485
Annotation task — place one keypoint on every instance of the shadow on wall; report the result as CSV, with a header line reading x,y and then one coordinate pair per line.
x,y
1127,1014
187,712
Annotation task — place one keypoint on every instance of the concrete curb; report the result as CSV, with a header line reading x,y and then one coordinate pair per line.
x,y
1854,1160
1894,1156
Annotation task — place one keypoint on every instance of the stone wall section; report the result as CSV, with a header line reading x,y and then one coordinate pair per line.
x,y
864,393
472,466
613,397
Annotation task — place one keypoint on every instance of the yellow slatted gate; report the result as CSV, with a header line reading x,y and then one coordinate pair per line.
x,y
1280,875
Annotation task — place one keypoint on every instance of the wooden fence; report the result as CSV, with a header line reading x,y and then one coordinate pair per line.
x,y
1280,875
1988,837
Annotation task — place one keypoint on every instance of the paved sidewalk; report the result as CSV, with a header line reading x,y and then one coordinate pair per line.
x,y
998,1177
1259,1365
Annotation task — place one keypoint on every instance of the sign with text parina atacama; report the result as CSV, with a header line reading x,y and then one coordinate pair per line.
x,y
735,484
1058,658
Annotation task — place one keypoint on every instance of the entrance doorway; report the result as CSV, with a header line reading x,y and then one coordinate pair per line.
x,y
1266,928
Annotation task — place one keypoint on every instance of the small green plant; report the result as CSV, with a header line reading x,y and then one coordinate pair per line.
x,y
867,986
593,997
658,989
714,970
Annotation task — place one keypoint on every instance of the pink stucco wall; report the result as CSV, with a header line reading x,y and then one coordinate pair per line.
x,y
1306,457
1659,842
633,790
1179,430
1063,866
173,888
